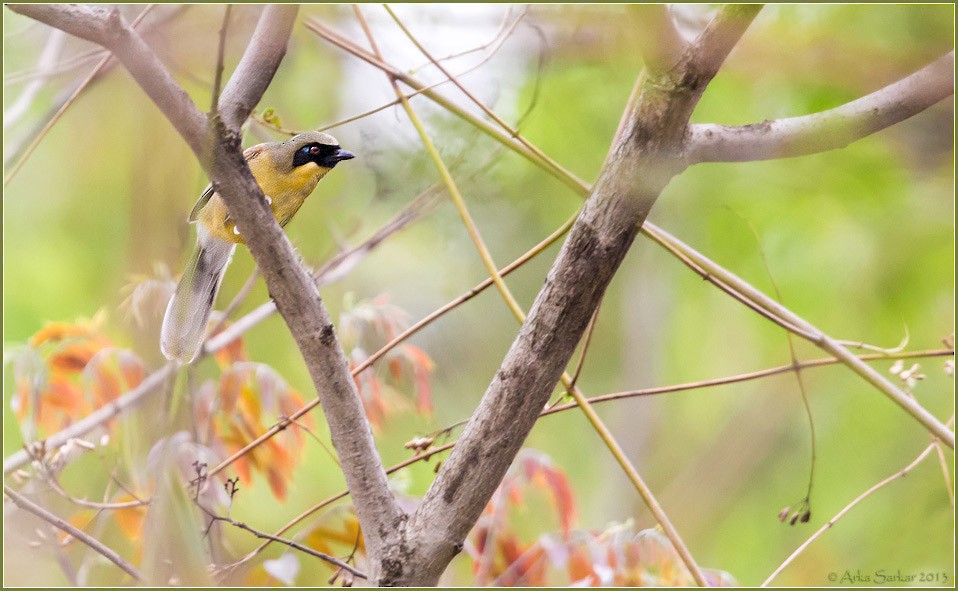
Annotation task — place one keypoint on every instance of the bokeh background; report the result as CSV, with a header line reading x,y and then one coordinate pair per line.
x,y
860,241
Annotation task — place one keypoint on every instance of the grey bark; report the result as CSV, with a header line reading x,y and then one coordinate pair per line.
x,y
652,146
647,153
828,130
216,143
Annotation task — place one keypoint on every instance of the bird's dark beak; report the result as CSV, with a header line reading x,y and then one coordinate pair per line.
x,y
341,154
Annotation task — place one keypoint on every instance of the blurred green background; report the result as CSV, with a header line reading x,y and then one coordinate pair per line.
x,y
860,242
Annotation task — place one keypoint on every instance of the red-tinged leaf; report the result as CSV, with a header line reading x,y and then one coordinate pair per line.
x,y
231,383
58,331
562,494
423,392
515,496
277,482
253,398
80,520
336,532
111,373
242,468
580,566
528,570
480,538
72,358
510,547
61,404
233,352
130,520
395,368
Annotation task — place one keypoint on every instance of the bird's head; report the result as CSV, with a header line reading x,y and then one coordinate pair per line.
x,y
319,148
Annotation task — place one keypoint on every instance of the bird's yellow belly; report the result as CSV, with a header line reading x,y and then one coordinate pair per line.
x,y
286,194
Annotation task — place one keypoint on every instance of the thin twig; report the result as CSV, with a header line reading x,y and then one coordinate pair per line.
x,y
97,417
806,502
755,299
332,269
291,543
504,31
720,276
514,133
745,377
585,346
946,472
66,105
45,64
220,51
236,302
58,488
831,522
539,248
430,452
78,534
513,305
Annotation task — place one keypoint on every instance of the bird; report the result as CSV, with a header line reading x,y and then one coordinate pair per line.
x,y
287,172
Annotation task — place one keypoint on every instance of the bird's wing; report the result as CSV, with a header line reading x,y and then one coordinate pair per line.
x,y
250,153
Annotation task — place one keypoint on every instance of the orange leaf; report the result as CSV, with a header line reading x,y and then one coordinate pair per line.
x,y
130,520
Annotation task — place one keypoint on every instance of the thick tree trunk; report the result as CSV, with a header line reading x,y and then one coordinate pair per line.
x,y
647,152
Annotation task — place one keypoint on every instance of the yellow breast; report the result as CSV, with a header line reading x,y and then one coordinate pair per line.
x,y
286,190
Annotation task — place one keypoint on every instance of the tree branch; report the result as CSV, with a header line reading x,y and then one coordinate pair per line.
x,y
644,158
831,522
661,44
97,418
827,130
106,27
217,145
259,64
98,546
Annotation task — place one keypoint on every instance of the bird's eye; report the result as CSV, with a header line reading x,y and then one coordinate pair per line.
x,y
314,150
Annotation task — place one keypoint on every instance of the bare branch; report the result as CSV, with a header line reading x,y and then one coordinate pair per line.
x,y
105,63
220,55
640,163
259,64
688,255
297,299
28,505
831,522
91,22
107,27
661,43
95,419
719,276
217,146
291,543
827,130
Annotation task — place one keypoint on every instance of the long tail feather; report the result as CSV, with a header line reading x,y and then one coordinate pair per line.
x,y
189,309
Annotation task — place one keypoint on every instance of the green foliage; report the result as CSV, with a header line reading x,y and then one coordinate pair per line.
x,y
860,241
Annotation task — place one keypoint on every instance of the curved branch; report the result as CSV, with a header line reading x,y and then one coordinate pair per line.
x,y
28,505
827,130
259,64
660,42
